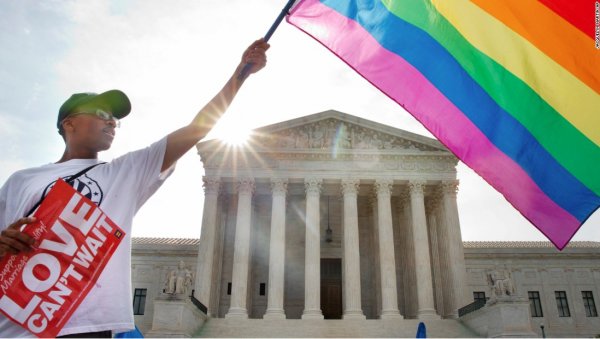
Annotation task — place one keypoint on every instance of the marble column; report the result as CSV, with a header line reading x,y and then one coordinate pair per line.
x,y
203,287
458,271
312,258
425,309
431,208
277,251
352,295
447,309
375,267
241,254
408,250
387,261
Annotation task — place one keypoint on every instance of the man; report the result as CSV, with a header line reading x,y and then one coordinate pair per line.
x,y
87,123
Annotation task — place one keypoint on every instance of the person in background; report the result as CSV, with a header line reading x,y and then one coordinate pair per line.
x,y
88,122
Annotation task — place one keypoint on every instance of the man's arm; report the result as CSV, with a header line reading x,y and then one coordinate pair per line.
x,y
186,137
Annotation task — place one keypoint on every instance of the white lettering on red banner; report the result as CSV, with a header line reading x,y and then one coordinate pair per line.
x,y
40,290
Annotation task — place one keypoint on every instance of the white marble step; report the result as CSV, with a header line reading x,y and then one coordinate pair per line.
x,y
259,328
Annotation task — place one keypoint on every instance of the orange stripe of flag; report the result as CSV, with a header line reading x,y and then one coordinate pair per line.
x,y
580,13
550,33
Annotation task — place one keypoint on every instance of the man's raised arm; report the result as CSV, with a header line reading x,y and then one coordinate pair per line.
x,y
183,139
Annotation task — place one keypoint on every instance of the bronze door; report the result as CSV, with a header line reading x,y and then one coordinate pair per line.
x,y
331,288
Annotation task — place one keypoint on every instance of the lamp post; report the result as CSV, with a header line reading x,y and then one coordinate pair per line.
x,y
543,333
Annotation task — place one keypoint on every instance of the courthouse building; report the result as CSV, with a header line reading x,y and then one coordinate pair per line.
x,y
333,225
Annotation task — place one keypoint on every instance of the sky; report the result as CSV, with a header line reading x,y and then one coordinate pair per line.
x,y
171,57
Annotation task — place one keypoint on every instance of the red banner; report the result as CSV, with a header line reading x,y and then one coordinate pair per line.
x,y
40,290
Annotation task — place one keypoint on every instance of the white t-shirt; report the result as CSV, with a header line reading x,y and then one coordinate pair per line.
x,y
120,188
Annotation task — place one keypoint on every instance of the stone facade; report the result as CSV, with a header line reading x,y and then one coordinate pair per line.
x,y
334,217
539,268
535,266
152,260
330,172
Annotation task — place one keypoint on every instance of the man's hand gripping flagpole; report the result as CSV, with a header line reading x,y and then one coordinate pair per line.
x,y
244,73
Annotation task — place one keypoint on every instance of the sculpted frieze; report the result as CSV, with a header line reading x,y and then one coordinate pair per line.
x,y
336,135
282,160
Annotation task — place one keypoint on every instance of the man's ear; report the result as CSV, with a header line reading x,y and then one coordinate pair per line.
x,y
67,125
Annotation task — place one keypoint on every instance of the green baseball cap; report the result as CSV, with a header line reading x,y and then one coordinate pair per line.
x,y
114,99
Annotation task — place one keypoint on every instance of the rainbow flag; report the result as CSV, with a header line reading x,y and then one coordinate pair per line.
x,y
511,87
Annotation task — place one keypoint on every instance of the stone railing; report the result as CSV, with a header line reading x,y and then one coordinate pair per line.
x,y
472,307
506,316
198,304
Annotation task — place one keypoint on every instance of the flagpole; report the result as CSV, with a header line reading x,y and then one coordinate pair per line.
x,y
284,11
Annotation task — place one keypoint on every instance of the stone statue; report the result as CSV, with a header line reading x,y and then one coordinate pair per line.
x,y
345,140
330,134
363,142
302,139
389,143
289,139
376,142
502,284
179,280
316,137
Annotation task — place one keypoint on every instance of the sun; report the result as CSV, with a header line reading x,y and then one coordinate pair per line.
x,y
235,134
233,130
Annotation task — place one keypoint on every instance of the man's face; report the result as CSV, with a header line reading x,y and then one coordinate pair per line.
x,y
90,130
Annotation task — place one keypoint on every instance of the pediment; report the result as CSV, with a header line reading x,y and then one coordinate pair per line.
x,y
333,130
328,144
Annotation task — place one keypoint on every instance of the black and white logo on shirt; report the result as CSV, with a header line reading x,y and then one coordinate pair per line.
x,y
85,185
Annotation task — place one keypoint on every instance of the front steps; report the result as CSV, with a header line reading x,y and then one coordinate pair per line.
x,y
297,328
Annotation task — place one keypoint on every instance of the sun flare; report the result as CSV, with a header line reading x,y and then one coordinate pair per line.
x,y
235,135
